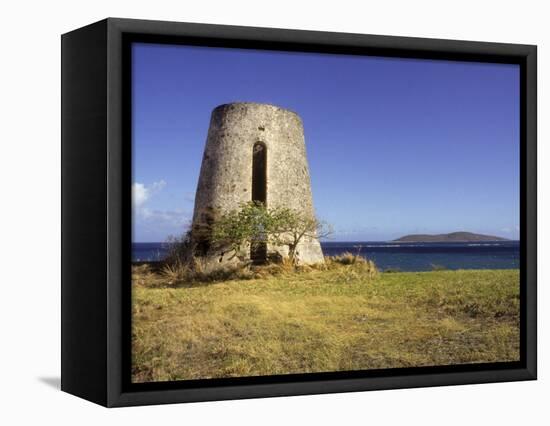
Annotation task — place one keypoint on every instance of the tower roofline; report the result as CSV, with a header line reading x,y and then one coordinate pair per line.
x,y
255,105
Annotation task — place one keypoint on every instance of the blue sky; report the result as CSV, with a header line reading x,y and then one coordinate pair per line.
x,y
395,146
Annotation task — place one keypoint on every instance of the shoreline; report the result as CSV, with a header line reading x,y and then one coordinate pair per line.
x,y
158,264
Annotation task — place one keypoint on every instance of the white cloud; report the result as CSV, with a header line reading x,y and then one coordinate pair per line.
x,y
157,225
170,218
153,224
141,193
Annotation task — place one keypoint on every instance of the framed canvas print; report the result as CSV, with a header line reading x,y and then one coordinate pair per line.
x,y
253,212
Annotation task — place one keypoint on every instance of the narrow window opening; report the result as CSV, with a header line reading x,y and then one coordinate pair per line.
x,y
259,178
258,250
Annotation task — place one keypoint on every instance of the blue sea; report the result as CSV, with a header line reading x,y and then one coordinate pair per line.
x,y
399,256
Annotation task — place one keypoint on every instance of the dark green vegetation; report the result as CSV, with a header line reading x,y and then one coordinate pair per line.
x,y
253,223
343,316
453,237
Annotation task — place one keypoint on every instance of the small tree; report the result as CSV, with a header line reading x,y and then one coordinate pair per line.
x,y
254,223
290,227
241,227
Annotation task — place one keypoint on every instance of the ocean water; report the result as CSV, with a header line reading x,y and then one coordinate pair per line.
x,y
399,256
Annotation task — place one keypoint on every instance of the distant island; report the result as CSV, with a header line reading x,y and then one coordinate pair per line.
x,y
453,237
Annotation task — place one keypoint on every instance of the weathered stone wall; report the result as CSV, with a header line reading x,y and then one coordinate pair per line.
x,y
225,180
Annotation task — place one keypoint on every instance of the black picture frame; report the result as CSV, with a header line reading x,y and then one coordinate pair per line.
x,y
96,208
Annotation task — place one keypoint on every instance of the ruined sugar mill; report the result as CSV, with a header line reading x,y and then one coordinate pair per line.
x,y
254,152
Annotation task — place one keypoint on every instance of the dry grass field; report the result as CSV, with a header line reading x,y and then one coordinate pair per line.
x,y
340,318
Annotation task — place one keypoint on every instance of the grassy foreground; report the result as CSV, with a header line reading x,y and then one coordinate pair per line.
x,y
318,321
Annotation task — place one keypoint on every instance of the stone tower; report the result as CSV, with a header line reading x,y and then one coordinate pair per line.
x,y
254,152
